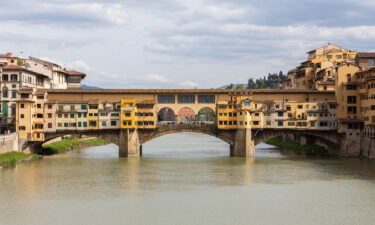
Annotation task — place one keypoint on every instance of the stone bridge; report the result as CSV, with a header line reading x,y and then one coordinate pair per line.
x,y
241,141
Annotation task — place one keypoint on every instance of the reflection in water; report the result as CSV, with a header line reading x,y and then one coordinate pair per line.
x,y
187,179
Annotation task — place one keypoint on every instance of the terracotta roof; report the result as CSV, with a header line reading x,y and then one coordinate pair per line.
x,y
40,91
13,67
75,73
366,54
184,91
25,90
6,55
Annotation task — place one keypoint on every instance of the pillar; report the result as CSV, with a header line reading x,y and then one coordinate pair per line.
x,y
243,144
129,143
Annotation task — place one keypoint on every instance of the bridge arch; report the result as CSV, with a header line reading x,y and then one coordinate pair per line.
x,y
186,115
148,135
166,114
206,114
328,139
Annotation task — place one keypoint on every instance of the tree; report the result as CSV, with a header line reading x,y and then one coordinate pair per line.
x,y
250,83
239,86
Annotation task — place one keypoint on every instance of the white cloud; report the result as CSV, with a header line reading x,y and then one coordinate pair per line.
x,y
151,78
189,84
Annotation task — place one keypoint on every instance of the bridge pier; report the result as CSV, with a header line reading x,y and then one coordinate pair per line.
x,y
129,143
243,145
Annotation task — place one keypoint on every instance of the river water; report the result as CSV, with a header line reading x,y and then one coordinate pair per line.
x,y
187,179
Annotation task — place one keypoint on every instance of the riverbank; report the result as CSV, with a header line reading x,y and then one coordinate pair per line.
x,y
70,144
297,148
12,158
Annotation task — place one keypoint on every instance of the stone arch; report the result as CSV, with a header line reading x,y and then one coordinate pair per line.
x,y
147,138
206,115
186,115
166,114
328,139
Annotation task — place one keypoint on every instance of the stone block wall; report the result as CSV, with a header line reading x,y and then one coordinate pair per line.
x,y
8,143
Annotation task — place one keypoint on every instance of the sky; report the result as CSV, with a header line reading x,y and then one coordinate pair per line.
x,y
181,44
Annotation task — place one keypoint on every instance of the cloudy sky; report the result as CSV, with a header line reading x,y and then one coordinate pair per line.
x,y
181,44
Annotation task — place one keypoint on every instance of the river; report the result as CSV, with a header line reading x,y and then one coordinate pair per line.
x,y
187,179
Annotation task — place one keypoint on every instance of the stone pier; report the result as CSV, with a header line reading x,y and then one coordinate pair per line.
x,y
129,143
243,145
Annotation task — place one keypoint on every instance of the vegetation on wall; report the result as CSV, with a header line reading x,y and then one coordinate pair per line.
x,y
68,144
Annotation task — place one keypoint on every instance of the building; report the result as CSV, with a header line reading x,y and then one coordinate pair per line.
x,y
316,72
17,73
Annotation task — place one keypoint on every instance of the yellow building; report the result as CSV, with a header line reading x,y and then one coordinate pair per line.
x,y
146,114
128,113
93,115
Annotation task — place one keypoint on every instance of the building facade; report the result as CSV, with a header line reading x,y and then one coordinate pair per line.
x,y
32,73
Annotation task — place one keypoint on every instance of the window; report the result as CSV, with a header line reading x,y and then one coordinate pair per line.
x,y
5,77
300,106
92,123
72,107
49,115
184,99
21,128
66,124
22,116
291,123
352,110
104,123
352,99
60,107
312,123
113,123
14,94
329,57
371,62
22,106
66,115
127,114
59,115
247,104
280,114
84,124
72,115
206,98
49,125
83,106
79,115
85,115
268,122
5,94
49,106
338,56
93,106
73,124
323,124
59,125
353,126
166,99
24,95
79,124
280,123
351,87
39,106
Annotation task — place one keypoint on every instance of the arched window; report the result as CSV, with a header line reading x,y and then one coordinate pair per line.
x,y
5,77
13,77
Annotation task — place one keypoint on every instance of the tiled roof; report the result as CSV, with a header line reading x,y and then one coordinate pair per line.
x,y
75,73
366,54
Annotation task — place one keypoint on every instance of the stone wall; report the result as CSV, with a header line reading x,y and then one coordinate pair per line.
x,y
368,147
8,143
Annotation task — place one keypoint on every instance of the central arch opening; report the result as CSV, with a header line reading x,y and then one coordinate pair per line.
x,y
185,144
